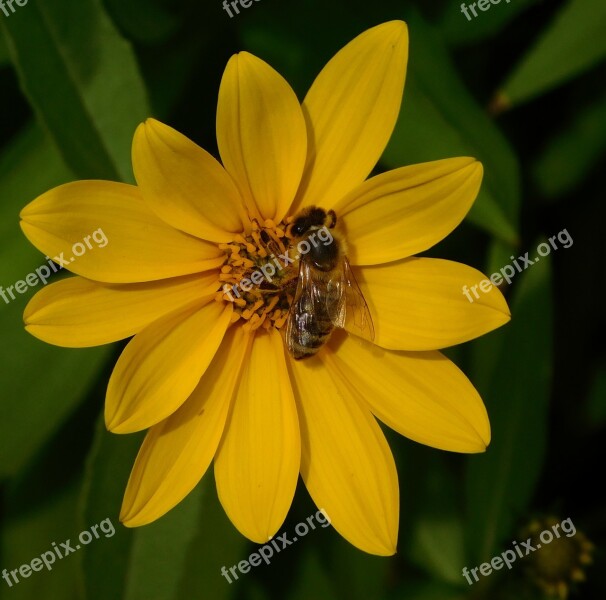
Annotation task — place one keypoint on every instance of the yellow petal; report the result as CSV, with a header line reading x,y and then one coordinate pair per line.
x,y
177,452
351,110
257,463
419,304
162,365
123,241
184,185
408,210
422,395
78,312
261,135
346,463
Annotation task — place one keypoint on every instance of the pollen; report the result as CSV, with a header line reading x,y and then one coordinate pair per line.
x,y
259,276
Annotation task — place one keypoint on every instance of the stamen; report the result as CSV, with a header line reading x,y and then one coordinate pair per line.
x,y
272,304
266,305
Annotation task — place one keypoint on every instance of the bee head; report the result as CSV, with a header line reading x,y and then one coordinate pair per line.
x,y
312,218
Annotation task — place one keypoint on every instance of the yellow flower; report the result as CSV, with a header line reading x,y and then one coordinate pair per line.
x,y
211,377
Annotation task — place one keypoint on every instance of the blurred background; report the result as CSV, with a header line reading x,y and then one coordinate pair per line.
x,y
520,87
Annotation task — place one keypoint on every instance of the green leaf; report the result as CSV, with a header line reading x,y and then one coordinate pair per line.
x,y
28,534
499,254
41,384
155,573
571,154
440,119
109,463
436,540
156,27
572,44
459,30
356,575
313,580
178,556
82,80
217,544
4,56
254,591
516,389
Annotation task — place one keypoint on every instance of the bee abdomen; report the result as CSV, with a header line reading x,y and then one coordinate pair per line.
x,y
311,339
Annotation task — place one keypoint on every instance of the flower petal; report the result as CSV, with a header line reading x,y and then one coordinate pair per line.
x,y
412,208
184,185
346,463
177,452
162,365
419,304
126,242
351,110
78,312
261,135
423,395
258,460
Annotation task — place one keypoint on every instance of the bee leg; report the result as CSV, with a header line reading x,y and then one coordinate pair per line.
x,y
332,216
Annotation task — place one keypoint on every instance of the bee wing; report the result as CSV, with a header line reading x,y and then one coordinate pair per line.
x,y
351,312
306,303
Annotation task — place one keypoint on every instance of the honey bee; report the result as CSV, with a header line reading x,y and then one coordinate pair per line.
x,y
327,295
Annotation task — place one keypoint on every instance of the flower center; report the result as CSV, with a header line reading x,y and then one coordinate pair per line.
x,y
559,560
259,276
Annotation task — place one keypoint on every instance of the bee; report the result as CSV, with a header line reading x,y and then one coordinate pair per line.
x,y
327,295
